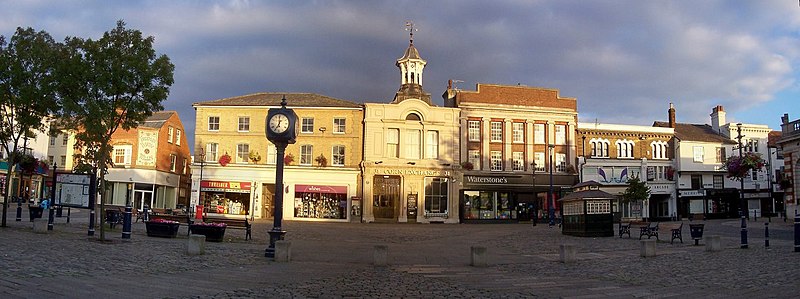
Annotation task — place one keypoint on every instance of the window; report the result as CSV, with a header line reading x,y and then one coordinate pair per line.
x,y
172,162
697,181
538,133
496,131
718,182
306,154
432,145
338,125
52,140
413,144
307,125
436,194
721,155
561,134
170,134
698,154
475,159
244,123
63,162
657,173
213,123
122,155
211,152
599,148
185,166
474,131
178,137
624,149
272,154
242,153
538,159
66,140
561,162
393,143
519,131
338,155
659,149
51,159
519,161
497,161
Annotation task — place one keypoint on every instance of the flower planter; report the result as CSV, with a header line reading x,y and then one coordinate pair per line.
x,y
212,233
162,229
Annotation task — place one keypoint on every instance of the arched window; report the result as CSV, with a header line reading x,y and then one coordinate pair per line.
x,y
624,148
599,148
659,149
413,116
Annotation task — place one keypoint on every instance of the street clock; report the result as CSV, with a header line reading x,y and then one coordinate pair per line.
x,y
281,125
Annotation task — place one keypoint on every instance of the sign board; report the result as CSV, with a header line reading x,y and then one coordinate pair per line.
x,y
72,190
148,143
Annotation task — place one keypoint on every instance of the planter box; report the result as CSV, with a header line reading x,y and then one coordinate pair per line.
x,y
164,230
212,233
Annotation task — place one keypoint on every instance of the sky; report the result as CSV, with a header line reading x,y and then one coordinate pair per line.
x,y
624,61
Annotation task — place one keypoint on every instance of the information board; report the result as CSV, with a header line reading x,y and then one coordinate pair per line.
x,y
72,190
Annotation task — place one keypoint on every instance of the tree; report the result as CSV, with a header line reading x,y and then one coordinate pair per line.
x,y
27,93
115,82
637,191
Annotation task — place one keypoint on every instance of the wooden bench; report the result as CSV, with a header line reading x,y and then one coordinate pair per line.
x,y
675,229
648,229
624,228
232,223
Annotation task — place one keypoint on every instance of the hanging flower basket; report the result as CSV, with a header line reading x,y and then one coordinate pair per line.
x,y
288,159
255,157
467,165
225,159
321,160
740,167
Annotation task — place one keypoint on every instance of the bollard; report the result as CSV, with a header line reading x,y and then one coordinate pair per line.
x,y
40,225
647,248
796,233
567,253
713,243
283,251
196,245
478,256
380,255
766,234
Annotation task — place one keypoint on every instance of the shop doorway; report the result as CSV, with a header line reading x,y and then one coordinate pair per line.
x,y
386,197
267,201
142,199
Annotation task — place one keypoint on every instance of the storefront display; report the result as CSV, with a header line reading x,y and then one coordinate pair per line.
x,y
489,205
232,198
325,202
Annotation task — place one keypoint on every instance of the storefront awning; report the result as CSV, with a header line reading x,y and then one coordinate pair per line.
x,y
320,189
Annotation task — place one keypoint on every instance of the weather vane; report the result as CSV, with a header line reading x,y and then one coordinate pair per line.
x,y
410,28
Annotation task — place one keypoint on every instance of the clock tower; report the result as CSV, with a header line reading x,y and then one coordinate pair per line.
x,y
411,66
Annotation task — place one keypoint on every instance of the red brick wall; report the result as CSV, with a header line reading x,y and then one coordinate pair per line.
x,y
517,95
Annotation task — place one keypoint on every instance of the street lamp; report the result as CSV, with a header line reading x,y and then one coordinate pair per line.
x,y
201,153
551,211
534,213
742,202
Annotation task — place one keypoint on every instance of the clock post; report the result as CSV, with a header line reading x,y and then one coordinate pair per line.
x,y
281,130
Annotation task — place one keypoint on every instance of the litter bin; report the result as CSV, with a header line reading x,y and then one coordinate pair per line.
x,y
35,212
696,231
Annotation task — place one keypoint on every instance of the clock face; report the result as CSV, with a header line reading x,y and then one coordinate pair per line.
x,y
279,123
413,66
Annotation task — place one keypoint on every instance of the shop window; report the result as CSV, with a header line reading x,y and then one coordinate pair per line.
x,y
244,123
475,159
230,201
436,194
393,143
496,131
432,145
339,125
474,131
413,144
496,161
519,163
519,131
488,205
307,125
306,154
538,133
338,155
242,153
170,134
211,152
326,203
213,123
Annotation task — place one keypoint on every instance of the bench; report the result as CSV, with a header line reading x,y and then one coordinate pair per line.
x,y
648,229
675,229
624,228
114,217
232,223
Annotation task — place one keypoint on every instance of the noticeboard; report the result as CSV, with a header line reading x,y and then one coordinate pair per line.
x,y
72,190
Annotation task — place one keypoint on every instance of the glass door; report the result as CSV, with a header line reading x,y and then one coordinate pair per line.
x,y
386,196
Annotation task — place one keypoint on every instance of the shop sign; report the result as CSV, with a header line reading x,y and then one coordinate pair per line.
x,y
756,195
320,189
497,180
420,172
148,144
241,187
691,193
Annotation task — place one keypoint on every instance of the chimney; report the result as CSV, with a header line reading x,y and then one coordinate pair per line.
x,y
717,118
671,116
449,95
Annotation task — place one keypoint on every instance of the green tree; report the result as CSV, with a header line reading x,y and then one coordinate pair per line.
x,y
27,93
637,191
115,82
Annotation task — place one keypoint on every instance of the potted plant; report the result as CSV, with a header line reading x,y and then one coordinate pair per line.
x,y
214,232
255,157
162,228
225,159
739,167
288,159
321,160
467,165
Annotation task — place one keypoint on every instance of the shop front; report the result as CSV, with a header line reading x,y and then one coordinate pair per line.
x,y
410,195
510,198
320,201
225,197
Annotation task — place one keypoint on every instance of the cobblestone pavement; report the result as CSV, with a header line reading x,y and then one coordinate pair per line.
x,y
334,260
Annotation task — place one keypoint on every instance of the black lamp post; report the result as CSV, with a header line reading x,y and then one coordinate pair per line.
x,y
551,211
201,153
51,211
534,213
126,222
742,202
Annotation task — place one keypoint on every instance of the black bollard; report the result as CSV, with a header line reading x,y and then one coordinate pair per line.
x,y
796,233
766,234
19,209
126,223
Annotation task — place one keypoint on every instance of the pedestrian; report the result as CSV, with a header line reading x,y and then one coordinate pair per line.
x,y
44,204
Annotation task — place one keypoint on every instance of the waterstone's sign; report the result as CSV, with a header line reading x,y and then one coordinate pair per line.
x,y
421,172
497,180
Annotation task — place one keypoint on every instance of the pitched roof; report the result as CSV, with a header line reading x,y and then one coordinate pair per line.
x,y
773,137
274,99
158,119
410,53
696,132
597,194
